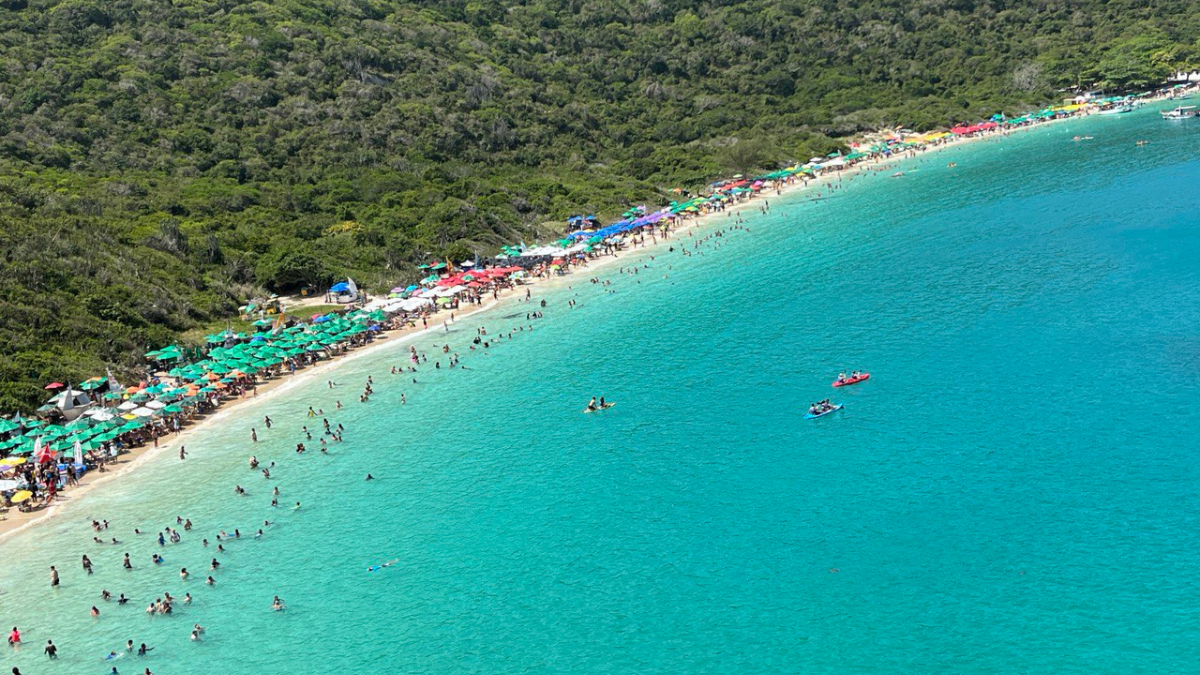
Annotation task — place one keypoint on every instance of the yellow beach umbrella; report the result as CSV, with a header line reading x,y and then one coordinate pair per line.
x,y
21,496
12,461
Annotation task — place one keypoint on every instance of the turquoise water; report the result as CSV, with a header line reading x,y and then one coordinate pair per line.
x,y
1013,491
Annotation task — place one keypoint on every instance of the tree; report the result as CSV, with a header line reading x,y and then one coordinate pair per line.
x,y
290,269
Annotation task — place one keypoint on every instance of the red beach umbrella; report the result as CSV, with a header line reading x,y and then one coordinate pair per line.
x,y
55,385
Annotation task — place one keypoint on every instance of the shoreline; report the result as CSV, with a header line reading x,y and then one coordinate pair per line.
x,y
17,522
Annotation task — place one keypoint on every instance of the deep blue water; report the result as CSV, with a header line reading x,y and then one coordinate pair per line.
x,y
1013,491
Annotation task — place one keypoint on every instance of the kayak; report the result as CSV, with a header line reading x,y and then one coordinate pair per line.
x,y
851,380
832,410
606,406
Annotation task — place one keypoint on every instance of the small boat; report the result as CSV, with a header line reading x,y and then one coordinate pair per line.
x,y
812,416
851,380
1183,112
1117,110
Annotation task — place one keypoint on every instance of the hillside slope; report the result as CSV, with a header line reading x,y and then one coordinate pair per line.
x,y
160,161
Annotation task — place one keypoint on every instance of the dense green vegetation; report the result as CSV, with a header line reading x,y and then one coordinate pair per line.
x,y
162,161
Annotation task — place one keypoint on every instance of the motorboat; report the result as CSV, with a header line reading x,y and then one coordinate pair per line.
x,y
1183,112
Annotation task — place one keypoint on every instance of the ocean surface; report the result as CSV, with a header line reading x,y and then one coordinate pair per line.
x,y
1015,490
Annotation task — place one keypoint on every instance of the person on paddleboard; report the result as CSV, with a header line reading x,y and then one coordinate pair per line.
x,y
591,406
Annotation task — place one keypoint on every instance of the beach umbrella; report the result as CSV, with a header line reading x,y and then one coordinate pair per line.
x,y
8,425
93,383
21,496
55,385
54,431
13,461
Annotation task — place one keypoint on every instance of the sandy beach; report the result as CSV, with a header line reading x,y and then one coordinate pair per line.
x,y
16,521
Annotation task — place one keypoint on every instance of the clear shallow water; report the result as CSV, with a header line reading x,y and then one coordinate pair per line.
x,y
1014,490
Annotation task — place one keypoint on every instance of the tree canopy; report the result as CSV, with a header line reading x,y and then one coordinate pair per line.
x,y
162,161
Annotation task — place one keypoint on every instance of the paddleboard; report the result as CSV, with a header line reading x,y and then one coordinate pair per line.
x,y
606,407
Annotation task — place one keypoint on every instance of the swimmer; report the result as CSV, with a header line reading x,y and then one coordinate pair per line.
x,y
277,604
375,568
369,477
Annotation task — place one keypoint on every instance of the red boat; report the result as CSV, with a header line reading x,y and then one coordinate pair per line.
x,y
851,380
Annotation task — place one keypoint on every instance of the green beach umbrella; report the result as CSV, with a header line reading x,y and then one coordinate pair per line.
x,y
54,431
94,383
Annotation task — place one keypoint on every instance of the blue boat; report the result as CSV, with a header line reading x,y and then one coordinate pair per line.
x,y
832,410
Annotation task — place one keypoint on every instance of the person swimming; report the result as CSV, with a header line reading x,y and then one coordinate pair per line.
x,y
376,568
277,604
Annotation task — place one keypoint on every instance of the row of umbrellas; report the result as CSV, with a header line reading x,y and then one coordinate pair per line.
x,y
238,356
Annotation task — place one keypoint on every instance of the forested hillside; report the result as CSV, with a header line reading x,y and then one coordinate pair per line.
x,y
162,160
